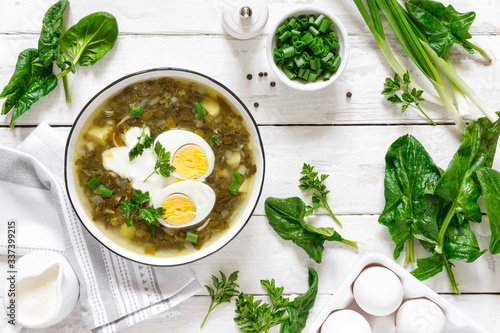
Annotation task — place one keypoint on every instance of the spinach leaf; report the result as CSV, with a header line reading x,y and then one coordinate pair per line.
x,y
286,217
87,41
444,26
298,310
27,85
457,183
489,180
410,211
48,44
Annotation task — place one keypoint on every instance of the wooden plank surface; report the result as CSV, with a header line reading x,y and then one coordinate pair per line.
x,y
364,77
344,137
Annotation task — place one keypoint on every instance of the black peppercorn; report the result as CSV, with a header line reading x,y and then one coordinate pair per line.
x,y
256,104
261,74
249,76
265,73
273,83
349,94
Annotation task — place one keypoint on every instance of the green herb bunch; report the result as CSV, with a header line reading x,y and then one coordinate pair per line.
x,y
162,165
144,141
225,289
408,97
138,208
257,316
314,183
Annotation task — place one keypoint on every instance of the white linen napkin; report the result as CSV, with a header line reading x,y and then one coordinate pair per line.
x,y
114,292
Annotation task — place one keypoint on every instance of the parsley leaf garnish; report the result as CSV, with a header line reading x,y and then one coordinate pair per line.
x,y
138,208
144,141
162,166
225,290
408,97
311,181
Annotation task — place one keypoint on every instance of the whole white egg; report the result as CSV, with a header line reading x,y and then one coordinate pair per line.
x,y
420,316
187,203
345,321
378,291
190,154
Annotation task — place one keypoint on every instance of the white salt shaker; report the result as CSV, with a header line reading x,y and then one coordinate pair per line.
x,y
45,291
245,18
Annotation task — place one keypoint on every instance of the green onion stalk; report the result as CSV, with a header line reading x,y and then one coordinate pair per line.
x,y
425,58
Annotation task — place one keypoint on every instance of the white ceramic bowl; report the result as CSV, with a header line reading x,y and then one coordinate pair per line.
x,y
336,26
112,89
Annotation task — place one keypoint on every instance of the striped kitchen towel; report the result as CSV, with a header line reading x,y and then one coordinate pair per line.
x,y
114,292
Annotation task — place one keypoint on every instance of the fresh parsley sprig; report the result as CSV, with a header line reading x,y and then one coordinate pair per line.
x,y
162,166
144,141
408,97
311,181
255,316
225,289
138,207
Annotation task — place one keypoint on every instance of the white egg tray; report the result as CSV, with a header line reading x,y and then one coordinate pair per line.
x,y
456,320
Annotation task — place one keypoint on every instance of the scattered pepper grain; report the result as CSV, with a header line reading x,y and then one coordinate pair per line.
x,y
273,84
261,74
256,104
249,76
349,94
265,73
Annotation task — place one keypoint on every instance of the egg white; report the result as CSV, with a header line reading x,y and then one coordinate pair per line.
x,y
174,139
202,195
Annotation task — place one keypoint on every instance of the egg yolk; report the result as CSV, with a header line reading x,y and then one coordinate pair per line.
x,y
190,161
179,209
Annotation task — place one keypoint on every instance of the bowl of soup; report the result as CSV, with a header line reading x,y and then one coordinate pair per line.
x,y
164,166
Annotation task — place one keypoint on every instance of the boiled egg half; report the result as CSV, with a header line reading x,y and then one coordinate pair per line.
x,y
186,203
190,154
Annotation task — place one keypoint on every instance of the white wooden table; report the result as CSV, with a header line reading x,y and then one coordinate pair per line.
x,y
344,137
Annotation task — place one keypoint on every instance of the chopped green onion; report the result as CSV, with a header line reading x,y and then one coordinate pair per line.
x,y
135,112
327,75
299,61
315,63
314,31
237,176
191,237
289,52
105,191
319,20
336,63
311,19
234,187
307,48
304,22
284,36
281,30
325,24
211,142
307,38
200,109
291,75
93,183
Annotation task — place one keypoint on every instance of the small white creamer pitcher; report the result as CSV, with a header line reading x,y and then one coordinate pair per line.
x,y
46,291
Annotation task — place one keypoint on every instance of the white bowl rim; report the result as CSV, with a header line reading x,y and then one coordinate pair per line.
x,y
300,85
214,247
